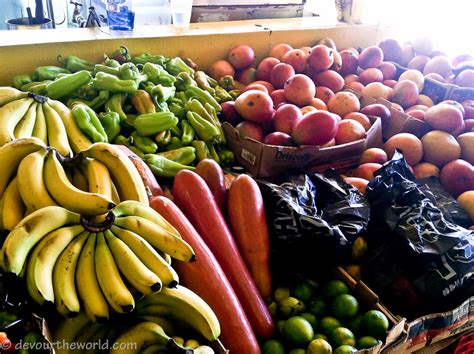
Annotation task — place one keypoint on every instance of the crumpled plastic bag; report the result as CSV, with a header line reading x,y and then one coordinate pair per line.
x,y
313,220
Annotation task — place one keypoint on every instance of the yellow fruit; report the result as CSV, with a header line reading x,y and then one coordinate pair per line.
x,y
359,248
319,346
466,200
342,336
355,270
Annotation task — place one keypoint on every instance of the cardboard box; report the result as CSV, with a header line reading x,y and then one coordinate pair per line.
x,y
263,160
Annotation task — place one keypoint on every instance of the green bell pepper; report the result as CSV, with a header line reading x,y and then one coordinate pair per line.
x,y
143,143
87,120
20,80
184,81
153,123
68,84
49,72
106,69
162,93
95,103
111,123
73,63
158,75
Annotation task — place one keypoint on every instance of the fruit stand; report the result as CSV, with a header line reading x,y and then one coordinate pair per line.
x,y
261,186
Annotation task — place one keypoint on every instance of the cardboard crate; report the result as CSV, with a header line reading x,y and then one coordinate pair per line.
x,y
263,160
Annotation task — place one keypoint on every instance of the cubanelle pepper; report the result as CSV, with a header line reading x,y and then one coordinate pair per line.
x,y
202,151
204,129
144,143
188,132
87,120
112,83
142,102
111,123
68,84
158,75
203,97
163,167
153,123
20,80
184,155
145,58
115,104
74,64
163,138
95,103
49,72
176,65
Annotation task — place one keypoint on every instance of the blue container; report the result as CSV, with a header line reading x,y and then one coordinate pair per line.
x,y
120,16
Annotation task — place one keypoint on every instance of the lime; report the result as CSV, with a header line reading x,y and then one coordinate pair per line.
x,y
345,349
279,325
273,308
320,336
328,324
297,330
355,324
359,248
334,288
303,291
291,306
375,324
297,351
281,293
319,346
273,346
342,336
345,306
366,342
317,307
313,321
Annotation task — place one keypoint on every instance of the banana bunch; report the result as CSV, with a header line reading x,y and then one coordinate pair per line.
x,y
35,176
24,115
76,264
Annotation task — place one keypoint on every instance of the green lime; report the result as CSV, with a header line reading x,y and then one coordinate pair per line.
x,y
317,307
319,346
313,321
279,325
273,346
303,291
366,342
297,330
345,306
328,324
334,288
345,349
297,351
342,336
355,324
291,306
281,293
375,324
320,336
273,308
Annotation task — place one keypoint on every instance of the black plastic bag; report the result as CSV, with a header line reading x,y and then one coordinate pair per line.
x,y
313,220
419,262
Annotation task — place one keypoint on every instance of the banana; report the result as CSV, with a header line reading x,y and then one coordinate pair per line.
x,y
24,129
2,200
10,115
30,181
167,258
184,305
142,335
79,180
39,272
87,284
57,135
13,206
110,280
89,336
148,255
157,237
136,273
9,94
40,129
11,155
168,325
77,139
65,294
30,231
132,207
65,194
98,178
67,330
115,194
126,177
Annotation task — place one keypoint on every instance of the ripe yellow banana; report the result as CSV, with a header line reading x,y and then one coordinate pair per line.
x,y
184,305
142,335
79,180
9,94
11,155
39,272
31,183
158,237
57,135
77,139
98,177
132,207
13,206
65,194
65,294
148,255
67,330
87,284
10,115
40,129
115,291
168,326
24,129
115,194
30,231
132,268
124,174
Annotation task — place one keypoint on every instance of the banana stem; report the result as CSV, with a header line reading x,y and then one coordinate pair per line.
x,y
102,226
38,98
